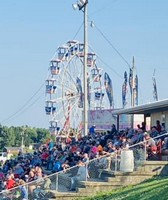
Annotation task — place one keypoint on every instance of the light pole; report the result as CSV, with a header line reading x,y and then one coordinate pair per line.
x,y
133,91
22,141
82,5
133,84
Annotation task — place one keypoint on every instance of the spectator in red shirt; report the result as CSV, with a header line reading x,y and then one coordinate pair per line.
x,y
10,182
44,157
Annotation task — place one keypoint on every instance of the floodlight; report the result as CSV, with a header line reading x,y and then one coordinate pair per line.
x,y
92,24
83,2
75,6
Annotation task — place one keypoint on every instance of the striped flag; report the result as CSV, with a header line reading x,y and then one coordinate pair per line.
x,y
136,91
155,94
109,89
131,80
124,89
66,126
79,89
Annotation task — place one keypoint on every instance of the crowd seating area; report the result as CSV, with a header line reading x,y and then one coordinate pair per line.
x,y
59,155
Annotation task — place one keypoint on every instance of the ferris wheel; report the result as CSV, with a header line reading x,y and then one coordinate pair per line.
x,y
64,87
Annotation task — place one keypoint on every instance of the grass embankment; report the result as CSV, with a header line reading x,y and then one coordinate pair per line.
x,y
152,189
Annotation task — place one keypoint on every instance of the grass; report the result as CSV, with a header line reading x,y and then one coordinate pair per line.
x,y
152,189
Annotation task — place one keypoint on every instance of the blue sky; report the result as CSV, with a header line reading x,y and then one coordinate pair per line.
x,y
31,31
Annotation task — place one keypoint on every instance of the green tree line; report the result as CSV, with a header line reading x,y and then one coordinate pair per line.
x,y
12,136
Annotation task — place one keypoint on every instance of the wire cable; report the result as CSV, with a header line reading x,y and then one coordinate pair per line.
x,y
78,31
109,42
25,109
98,56
22,107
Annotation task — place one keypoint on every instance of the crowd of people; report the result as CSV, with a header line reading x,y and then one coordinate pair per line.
x,y
61,154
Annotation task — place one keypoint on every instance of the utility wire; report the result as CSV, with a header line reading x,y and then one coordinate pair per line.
x,y
106,5
25,109
109,42
106,64
110,45
78,31
22,107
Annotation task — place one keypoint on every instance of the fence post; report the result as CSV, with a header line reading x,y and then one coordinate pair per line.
x,y
145,151
27,188
87,171
56,185
116,162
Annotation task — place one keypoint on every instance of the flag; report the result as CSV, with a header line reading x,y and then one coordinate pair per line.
x,y
124,89
136,90
155,94
125,77
131,80
109,89
88,91
79,89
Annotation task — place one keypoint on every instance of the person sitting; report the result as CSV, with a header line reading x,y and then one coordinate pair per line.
x,y
57,166
31,176
38,179
154,132
151,147
104,162
44,157
19,171
10,183
23,190
81,175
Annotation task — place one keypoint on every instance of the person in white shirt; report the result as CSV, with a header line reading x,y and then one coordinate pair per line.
x,y
80,176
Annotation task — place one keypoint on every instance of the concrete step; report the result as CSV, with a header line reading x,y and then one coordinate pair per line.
x,y
94,184
157,167
134,173
69,195
127,180
93,189
112,180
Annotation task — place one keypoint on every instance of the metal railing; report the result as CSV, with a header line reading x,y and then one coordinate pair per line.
x,y
61,181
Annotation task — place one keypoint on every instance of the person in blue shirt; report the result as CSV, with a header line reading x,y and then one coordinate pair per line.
x,y
23,190
92,130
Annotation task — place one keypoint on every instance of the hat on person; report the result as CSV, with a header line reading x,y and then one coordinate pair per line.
x,y
146,134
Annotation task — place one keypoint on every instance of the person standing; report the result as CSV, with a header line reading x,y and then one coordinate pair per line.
x,y
113,130
158,126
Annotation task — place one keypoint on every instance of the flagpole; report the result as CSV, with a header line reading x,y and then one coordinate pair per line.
x,y
133,90
133,83
85,71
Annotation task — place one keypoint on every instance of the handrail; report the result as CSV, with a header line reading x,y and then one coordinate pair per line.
x,y
148,140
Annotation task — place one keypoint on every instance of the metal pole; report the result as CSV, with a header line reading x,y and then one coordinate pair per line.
x,y
85,113
22,141
133,91
133,83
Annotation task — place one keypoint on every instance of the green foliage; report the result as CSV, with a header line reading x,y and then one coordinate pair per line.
x,y
153,189
13,136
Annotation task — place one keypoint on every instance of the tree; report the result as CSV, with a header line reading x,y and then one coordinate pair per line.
x,y
12,136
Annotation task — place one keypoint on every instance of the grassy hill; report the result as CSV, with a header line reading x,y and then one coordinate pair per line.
x,y
152,189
